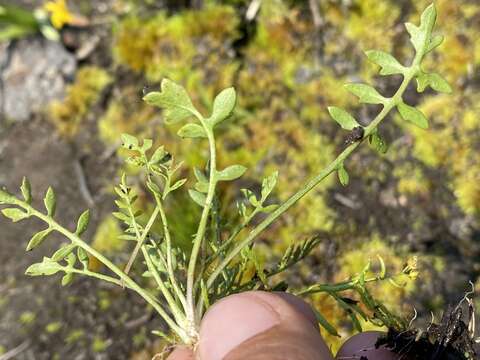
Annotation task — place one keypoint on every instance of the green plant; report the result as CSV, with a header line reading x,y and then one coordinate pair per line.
x,y
189,281
16,22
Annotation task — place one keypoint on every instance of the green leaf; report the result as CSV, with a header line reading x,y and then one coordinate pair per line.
x,y
377,143
154,188
147,145
413,115
71,259
129,142
82,223
436,41
174,100
343,176
198,197
158,155
324,323
250,196
428,18
26,190
63,252
15,214
192,131
435,81
50,202
178,184
343,118
199,175
389,65
365,93
231,173
419,36
6,197
268,184
383,270
223,105
416,36
121,216
37,239
67,279
46,267
269,208
83,257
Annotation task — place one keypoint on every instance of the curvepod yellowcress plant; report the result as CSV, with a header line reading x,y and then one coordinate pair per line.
x,y
188,283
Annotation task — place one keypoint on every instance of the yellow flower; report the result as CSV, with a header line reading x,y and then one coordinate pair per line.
x,y
59,13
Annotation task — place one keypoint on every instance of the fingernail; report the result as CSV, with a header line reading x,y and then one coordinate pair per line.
x,y
232,321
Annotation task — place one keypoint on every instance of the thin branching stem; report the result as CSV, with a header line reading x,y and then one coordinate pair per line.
x,y
124,278
333,166
197,242
168,241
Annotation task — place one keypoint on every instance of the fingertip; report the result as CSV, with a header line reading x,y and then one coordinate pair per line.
x,y
258,323
181,353
363,345
232,321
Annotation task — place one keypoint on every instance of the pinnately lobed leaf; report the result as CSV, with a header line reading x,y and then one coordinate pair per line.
x,y
419,35
343,118
413,115
174,100
365,93
389,65
435,81
223,105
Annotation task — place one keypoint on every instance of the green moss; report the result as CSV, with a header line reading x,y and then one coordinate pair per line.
x,y
68,114
106,238
75,336
27,317
99,345
53,327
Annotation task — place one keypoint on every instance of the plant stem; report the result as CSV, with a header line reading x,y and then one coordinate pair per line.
x,y
168,240
197,242
124,278
333,166
177,313
141,237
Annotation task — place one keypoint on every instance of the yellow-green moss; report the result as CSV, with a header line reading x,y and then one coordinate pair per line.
x,y
67,115
106,238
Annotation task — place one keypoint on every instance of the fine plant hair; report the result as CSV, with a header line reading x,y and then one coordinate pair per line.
x,y
188,283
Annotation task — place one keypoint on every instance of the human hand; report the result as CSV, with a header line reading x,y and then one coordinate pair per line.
x,y
259,325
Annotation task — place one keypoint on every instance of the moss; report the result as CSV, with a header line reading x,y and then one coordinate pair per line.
x,y
168,46
68,114
74,336
27,318
53,327
99,345
106,238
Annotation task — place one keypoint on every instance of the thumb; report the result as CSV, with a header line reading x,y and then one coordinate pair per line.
x,y
261,326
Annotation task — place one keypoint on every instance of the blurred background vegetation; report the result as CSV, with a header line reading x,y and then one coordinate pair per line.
x,y
71,80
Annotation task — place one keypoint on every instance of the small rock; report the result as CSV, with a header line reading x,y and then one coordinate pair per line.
x,y
35,72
